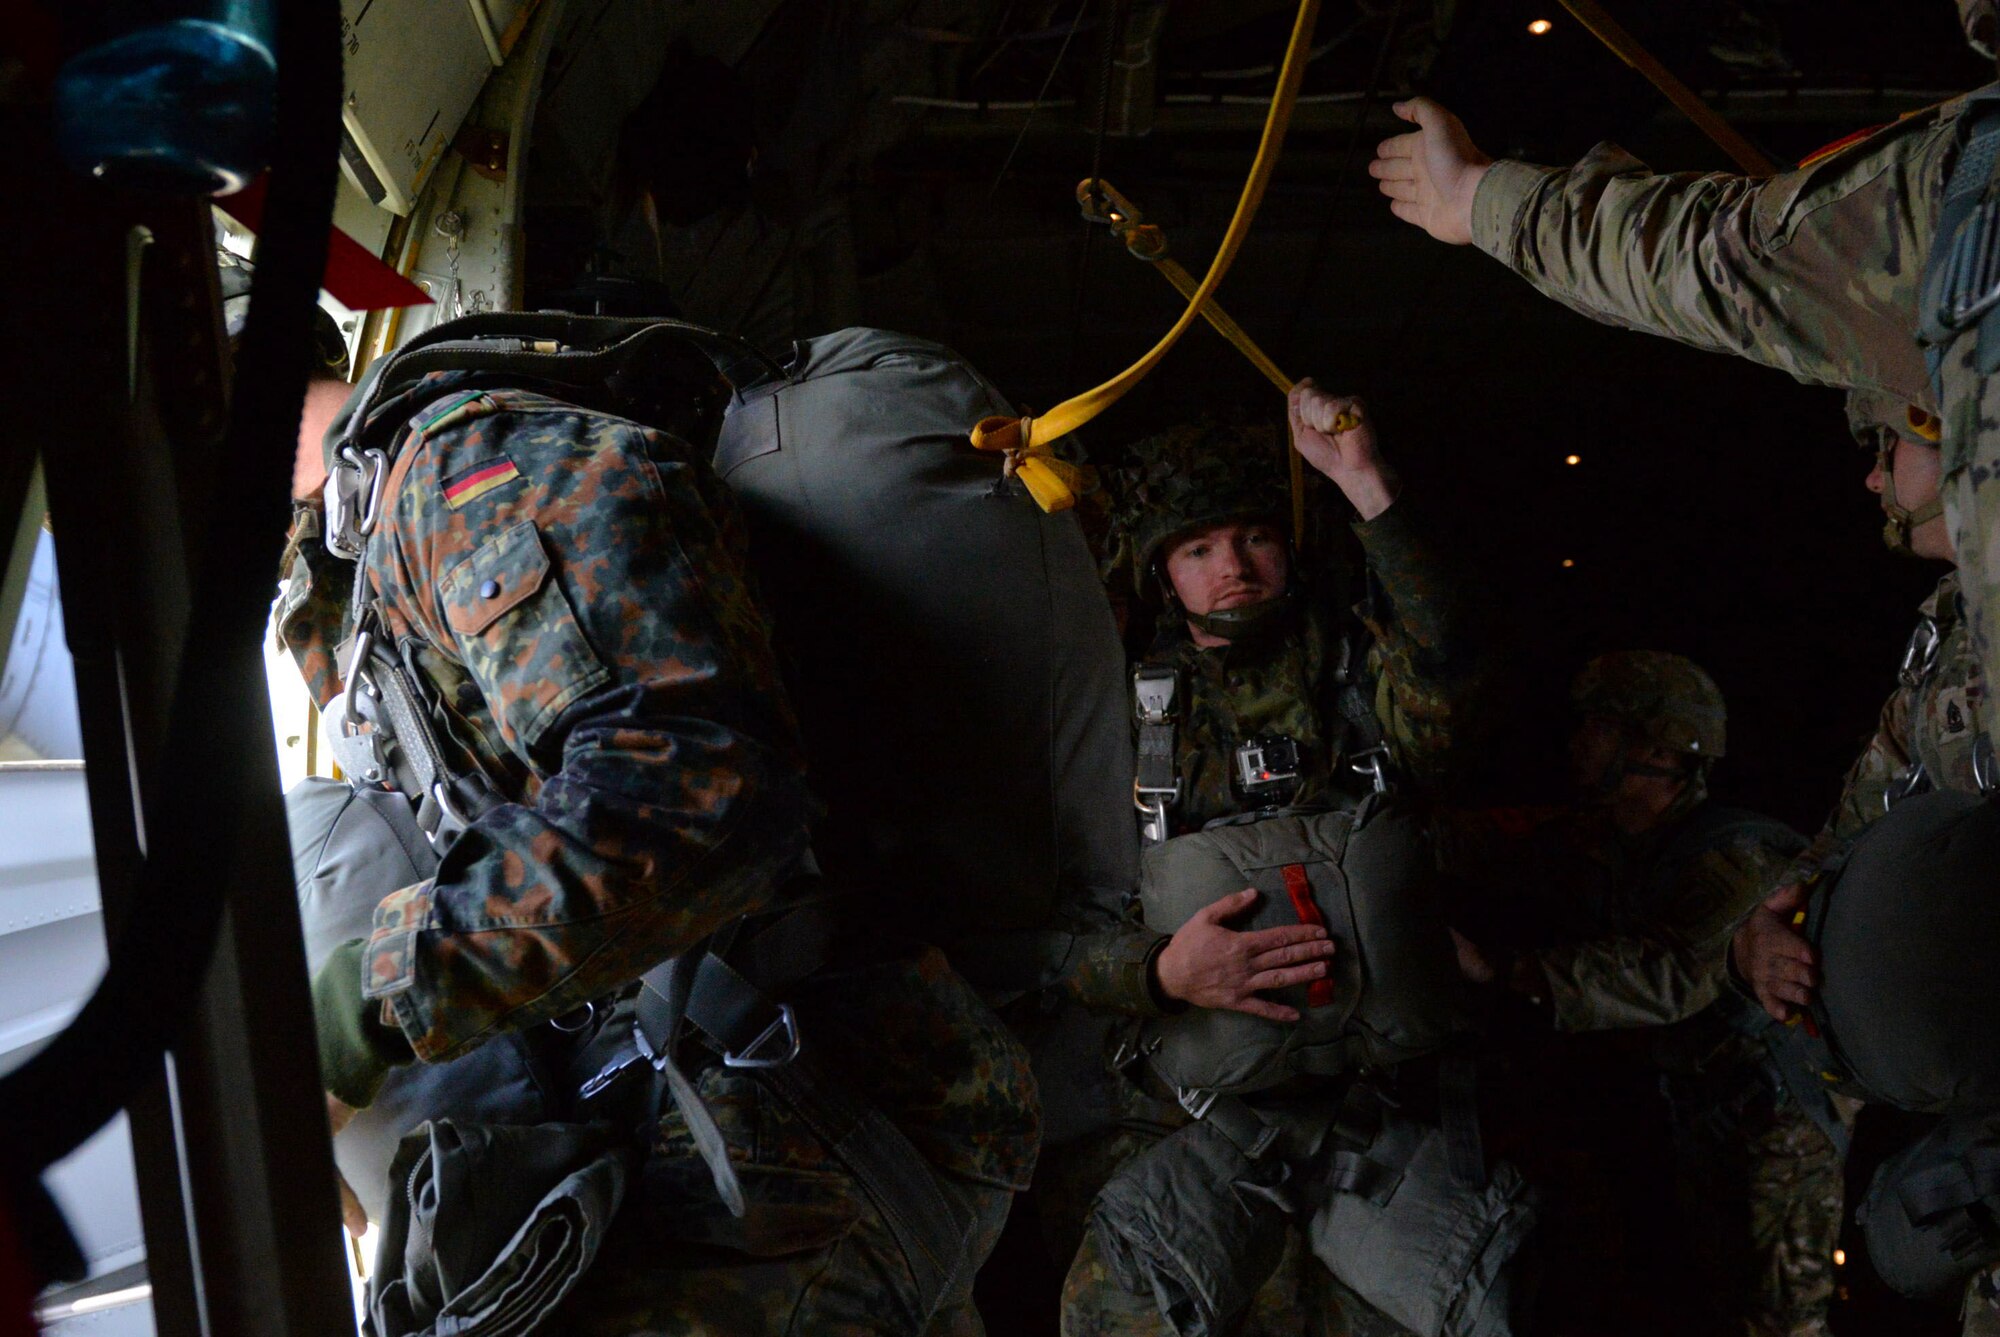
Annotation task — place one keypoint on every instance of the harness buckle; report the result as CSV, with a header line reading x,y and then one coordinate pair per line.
x,y
1194,1100
352,476
1153,690
1371,763
786,1024
1920,656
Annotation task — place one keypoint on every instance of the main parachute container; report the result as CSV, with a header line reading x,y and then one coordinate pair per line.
x,y
956,668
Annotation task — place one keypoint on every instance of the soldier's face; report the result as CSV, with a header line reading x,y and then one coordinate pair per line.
x,y
1592,750
1224,566
1919,469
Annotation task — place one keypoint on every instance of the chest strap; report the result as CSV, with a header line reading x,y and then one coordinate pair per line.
x,y
1156,784
382,735
1366,749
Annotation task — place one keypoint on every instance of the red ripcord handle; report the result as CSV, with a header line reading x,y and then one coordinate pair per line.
x,y
1319,992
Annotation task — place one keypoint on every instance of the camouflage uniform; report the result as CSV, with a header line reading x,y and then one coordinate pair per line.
x,y
572,588
1816,272
1417,675
1636,932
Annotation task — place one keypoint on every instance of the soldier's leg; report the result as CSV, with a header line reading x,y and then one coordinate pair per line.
x,y
811,1256
1762,1193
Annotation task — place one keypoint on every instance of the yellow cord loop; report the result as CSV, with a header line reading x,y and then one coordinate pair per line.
x,y
1053,483
1025,438
1102,203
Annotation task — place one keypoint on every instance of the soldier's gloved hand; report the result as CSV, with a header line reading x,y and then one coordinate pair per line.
x,y
356,1048
1207,964
1773,957
1431,176
1351,458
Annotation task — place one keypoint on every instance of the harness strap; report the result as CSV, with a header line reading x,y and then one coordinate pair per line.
x,y
740,1020
1458,1112
1235,1119
1156,784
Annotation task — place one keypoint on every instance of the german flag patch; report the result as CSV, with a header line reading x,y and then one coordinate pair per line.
x,y
479,480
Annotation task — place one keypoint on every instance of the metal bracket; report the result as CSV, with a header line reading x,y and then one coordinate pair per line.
x,y
787,1025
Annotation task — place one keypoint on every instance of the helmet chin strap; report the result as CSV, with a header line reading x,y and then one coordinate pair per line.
x,y
1902,524
1246,622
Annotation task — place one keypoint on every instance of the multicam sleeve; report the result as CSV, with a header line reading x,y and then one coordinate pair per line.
x,y
1662,972
1423,663
1814,272
614,636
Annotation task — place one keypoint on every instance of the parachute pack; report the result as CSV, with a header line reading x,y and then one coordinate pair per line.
x,y
1393,991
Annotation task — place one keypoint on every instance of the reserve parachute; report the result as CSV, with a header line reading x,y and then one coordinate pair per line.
x,y
1393,990
1906,925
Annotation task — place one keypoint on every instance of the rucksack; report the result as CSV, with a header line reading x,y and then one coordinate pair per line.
x,y
958,673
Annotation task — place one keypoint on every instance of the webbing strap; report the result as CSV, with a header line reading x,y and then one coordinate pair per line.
x,y
1156,783
741,1020
1144,241
1019,437
1458,1112
1234,1118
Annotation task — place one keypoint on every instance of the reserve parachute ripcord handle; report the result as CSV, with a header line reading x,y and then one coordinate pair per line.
x,y
1143,241
1025,440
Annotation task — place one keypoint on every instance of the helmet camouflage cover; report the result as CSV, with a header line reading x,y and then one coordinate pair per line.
x,y
1197,474
1668,700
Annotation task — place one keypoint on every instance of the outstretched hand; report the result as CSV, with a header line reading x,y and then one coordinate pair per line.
x,y
1774,958
1431,175
1207,964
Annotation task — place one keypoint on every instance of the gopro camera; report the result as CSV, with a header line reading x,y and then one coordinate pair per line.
x,y
1267,766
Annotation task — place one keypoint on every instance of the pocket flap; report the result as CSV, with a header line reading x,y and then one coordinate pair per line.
x,y
506,569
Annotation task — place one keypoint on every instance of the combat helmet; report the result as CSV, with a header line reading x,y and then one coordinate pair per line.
x,y
1878,421
1662,700
1192,476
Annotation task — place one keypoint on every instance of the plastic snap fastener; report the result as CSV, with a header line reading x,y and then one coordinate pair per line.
x,y
490,590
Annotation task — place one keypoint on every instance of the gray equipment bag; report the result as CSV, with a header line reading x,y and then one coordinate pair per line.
x,y
493,1226
1367,874
1197,1223
958,674
1434,1253
350,848
1932,1214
